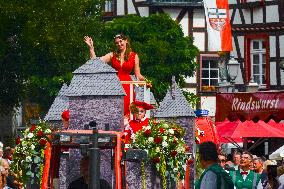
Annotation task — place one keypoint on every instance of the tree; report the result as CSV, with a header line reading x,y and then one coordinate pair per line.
x,y
161,45
41,43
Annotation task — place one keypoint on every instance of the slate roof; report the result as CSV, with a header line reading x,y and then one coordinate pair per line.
x,y
140,94
95,78
174,104
59,104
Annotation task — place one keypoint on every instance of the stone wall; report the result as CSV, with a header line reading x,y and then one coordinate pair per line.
x,y
103,110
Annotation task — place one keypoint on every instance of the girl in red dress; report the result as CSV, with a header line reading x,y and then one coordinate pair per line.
x,y
123,60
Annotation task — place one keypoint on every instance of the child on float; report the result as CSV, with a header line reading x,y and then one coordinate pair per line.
x,y
138,109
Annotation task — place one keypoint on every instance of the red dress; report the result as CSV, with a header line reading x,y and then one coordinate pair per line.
x,y
123,73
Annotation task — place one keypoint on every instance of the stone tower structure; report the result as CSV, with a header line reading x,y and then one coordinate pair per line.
x,y
95,94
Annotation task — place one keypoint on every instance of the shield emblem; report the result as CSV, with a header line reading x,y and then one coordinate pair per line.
x,y
217,18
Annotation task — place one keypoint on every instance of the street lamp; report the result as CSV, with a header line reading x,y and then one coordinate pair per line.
x,y
233,69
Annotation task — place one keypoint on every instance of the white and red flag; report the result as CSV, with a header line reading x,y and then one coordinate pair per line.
x,y
218,25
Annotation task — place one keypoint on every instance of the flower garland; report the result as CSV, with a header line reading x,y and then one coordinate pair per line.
x,y
166,148
28,158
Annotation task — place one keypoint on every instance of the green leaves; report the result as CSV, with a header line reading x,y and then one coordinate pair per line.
x,y
41,44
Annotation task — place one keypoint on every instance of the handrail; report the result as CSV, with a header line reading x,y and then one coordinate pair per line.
x,y
146,93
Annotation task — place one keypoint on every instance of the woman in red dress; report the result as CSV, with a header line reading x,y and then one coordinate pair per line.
x,y
123,60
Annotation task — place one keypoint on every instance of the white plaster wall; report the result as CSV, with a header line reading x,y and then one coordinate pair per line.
x,y
209,103
247,16
234,52
131,9
199,40
120,7
272,46
241,45
184,24
272,14
191,79
237,19
198,18
172,12
273,80
239,79
282,77
232,1
257,15
144,11
281,41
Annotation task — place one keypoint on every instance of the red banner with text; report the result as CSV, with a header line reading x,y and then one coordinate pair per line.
x,y
250,106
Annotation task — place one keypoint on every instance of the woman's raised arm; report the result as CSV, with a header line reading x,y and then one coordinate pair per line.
x,y
89,41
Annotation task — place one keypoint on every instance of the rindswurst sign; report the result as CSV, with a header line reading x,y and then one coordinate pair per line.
x,y
250,106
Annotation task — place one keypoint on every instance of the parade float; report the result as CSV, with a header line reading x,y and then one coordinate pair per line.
x,y
93,125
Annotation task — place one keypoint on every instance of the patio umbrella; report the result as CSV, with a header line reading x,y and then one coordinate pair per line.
x,y
225,129
257,130
278,154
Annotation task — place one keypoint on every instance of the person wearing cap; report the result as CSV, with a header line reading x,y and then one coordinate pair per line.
x,y
138,109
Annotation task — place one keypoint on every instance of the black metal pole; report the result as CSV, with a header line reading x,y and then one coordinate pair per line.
x,y
94,164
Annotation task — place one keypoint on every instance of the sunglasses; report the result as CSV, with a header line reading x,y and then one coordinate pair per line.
x,y
222,160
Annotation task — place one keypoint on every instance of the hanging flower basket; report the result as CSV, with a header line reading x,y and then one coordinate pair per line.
x,y
166,148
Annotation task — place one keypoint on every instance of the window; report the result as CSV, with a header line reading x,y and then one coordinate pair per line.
x,y
108,8
258,61
209,73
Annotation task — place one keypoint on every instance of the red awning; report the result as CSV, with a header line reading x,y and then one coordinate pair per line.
x,y
250,106
206,125
225,129
238,129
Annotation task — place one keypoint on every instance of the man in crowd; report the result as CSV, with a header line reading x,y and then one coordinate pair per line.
x,y
222,160
259,168
244,177
237,160
82,182
214,176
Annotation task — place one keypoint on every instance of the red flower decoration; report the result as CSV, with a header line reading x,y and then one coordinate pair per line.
x,y
158,140
156,160
18,140
187,148
155,121
39,133
175,141
33,127
190,162
162,130
173,153
147,132
42,141
65,115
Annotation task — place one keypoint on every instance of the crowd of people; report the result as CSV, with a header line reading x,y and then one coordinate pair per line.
x,y
7,180
244,171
